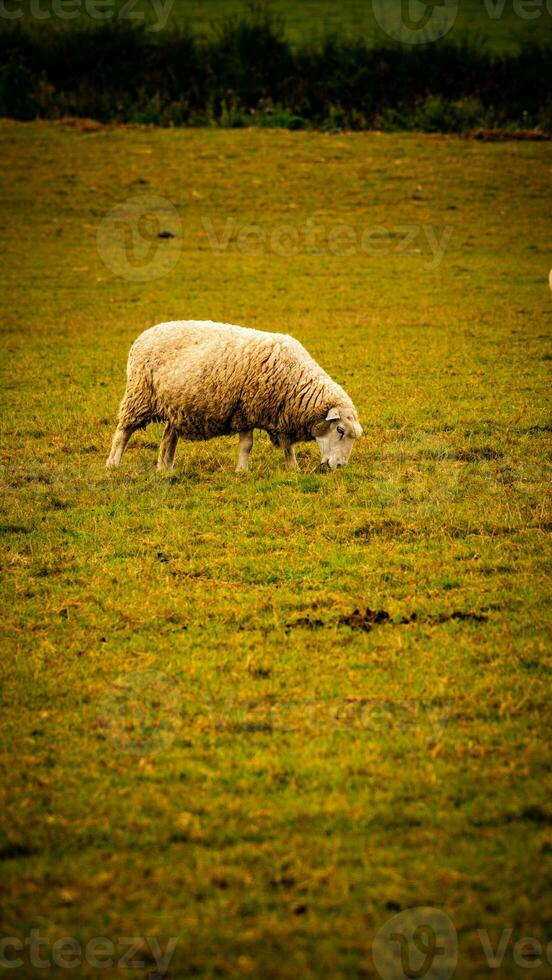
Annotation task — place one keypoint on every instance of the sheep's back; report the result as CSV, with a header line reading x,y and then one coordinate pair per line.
x,y
198,371
213,379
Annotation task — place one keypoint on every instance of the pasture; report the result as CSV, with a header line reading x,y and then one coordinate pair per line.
x,y
495,24
261,714
499,25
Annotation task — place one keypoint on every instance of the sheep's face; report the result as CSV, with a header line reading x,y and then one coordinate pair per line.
x,y
335,436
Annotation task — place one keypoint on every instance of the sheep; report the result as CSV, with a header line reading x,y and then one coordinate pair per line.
x,y
206,379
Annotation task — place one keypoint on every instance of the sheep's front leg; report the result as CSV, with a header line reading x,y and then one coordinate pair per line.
x,y
167,448
289,455
246,445
120,439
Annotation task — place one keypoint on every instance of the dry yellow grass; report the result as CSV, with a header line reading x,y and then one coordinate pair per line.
x,y
200,738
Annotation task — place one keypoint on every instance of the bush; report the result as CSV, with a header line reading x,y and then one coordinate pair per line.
x,y
17,89
439,115
247,73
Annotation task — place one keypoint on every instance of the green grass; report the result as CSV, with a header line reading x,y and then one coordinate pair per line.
x,y
495,24
193,744
309,18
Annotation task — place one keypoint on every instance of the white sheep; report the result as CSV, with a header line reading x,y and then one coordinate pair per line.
x,y
206,379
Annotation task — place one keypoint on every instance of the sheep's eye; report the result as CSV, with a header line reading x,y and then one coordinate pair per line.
x,y
341,431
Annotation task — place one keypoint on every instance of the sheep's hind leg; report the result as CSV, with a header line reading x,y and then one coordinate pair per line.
x,y
118,446
167,448
246,445
289,455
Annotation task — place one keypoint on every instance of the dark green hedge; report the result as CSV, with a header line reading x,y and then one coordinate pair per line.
x,y
248,74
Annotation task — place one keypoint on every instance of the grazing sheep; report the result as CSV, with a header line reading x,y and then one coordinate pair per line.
x,y
207,379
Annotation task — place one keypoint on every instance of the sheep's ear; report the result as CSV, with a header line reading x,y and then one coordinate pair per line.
x,y
322,427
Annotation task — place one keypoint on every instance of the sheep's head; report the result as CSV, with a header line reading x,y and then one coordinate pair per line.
x,y
335,435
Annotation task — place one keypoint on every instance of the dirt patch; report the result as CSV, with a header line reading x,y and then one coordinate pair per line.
x,y
86,125
458,614
473,455
10,850
365,621
55,503
252,727
537,814
496,135
162,557
387,529
372,617
16,529
306,622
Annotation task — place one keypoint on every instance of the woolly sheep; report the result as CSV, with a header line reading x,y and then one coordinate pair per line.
x,y
206,379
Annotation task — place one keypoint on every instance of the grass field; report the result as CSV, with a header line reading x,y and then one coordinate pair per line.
x,y
495,23
201,738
